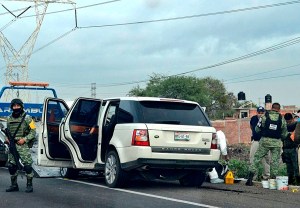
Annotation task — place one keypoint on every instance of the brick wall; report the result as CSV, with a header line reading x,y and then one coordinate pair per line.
x,y
236,130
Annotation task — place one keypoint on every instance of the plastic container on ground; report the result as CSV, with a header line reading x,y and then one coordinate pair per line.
x,y
282,183
272,184
265,184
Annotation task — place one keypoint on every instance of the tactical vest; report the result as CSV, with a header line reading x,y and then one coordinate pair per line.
x,y
13,123
272,128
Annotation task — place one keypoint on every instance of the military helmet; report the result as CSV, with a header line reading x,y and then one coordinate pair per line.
x,y
16,101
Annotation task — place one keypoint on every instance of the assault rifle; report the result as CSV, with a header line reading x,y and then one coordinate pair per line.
x,y
12,148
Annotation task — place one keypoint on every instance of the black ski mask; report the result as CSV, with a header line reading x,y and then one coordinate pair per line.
x,y
17,112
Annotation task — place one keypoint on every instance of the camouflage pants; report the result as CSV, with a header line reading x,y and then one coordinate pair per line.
x,y
290,157
266,145
25,157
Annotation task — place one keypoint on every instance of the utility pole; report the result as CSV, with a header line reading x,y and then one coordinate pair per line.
x,y
93,90
17,60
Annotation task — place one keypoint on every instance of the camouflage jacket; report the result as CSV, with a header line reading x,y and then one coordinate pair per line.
x,y
27,129
274,116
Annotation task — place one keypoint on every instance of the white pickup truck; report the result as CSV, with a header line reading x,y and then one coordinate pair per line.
x,y
126,137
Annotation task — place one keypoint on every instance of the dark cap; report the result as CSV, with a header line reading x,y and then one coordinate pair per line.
x,y
16,101
260,109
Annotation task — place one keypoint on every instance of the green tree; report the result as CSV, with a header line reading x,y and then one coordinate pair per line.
x,y
208,92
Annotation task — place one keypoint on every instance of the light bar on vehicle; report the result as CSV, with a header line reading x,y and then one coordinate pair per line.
x,y
36,84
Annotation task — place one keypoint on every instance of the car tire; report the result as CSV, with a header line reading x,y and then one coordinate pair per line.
x,y
195,178
69,173
2,163
114,175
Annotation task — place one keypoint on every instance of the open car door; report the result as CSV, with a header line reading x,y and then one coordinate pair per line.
x,y
51,152
72,140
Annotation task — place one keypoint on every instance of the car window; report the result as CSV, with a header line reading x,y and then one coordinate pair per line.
x,y
111,112
86,112
56,111
127,112
173,113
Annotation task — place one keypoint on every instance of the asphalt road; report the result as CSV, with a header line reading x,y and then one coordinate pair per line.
x,y
91,192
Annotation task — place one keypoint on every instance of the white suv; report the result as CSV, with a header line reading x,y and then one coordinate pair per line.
x,y
153,138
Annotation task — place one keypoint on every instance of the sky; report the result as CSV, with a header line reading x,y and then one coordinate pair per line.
x,y
118,46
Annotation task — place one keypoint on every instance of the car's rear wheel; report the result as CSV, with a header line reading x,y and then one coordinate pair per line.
x,y
69,173
196,178
115,176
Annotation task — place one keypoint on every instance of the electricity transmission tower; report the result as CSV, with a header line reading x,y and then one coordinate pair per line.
x,y
93,90
17,60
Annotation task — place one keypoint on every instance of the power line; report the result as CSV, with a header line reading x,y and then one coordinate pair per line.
x,y
166,19
54,40
194,16
47,13
251,75
250,55
50,43
65,10
274,77
176,18
82,7
266,50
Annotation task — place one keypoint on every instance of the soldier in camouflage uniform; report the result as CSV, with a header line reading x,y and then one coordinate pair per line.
x,y
24,137
273,129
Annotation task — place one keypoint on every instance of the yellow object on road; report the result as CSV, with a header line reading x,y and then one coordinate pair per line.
x,y
229,178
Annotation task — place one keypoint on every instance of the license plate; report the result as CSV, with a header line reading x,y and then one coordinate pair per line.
x,y
181,136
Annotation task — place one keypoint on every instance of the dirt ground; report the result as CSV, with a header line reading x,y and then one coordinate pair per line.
x,y
239,151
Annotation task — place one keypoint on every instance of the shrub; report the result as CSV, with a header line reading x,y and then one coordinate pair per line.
x,y
239,162
240,168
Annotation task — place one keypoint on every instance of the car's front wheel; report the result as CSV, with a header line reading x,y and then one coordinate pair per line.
x,y
115,176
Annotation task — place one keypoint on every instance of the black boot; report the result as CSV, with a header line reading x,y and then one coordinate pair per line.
x,y
297,181
250,178
291,180
14,185
29,187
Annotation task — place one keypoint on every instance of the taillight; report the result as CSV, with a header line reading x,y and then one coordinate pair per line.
x,y
214,142
140,137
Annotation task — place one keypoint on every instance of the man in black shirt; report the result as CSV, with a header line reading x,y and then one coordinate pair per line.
x,y
290,155
255,143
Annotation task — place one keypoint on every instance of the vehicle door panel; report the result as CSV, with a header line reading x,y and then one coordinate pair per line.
x,y
51,152
81,131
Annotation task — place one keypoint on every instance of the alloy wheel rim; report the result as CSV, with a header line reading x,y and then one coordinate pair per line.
x,y
110,169
63,171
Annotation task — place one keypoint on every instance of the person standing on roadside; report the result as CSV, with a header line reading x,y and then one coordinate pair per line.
x,y
297,132
273,129
255,143
289,155
219,170
23,127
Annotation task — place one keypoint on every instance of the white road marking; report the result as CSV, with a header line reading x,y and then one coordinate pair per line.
x,y
144,194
